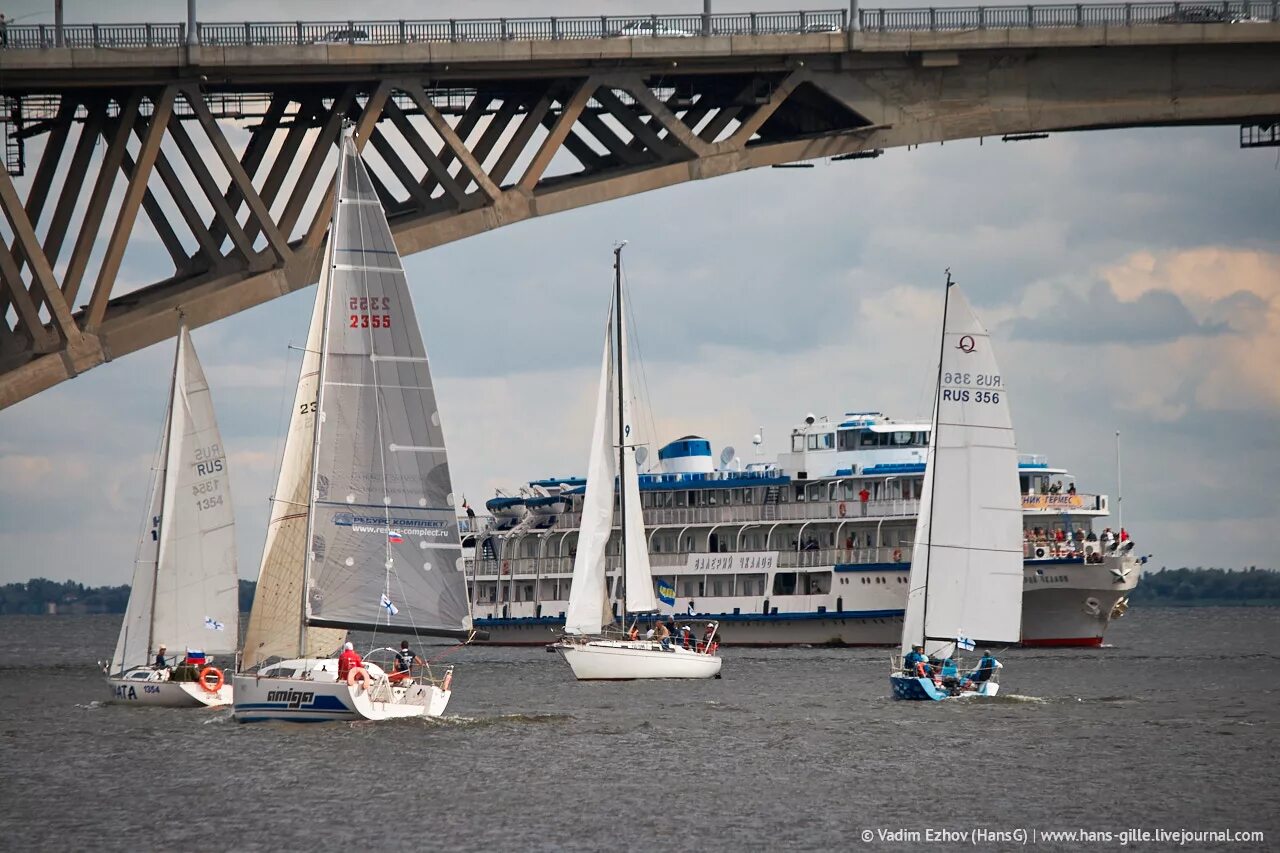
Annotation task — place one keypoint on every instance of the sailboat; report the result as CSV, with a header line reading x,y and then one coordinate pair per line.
x,y
185,587
363,533
591,655
966,563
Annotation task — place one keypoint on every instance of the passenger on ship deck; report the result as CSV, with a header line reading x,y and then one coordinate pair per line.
x,y
1071,490
160,661
662,635
349,659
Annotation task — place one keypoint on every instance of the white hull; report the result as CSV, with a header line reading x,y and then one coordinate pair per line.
x,y
304,700
166,694
625,660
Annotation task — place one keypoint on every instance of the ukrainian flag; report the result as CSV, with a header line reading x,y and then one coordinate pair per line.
x,y
666,592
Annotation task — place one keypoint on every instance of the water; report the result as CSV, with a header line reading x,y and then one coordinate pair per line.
x,y
1174,727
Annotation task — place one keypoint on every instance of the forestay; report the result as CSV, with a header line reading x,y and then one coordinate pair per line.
x,y
966,565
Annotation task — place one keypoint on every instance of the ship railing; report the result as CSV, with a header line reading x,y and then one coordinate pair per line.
x,y
677,562
849,510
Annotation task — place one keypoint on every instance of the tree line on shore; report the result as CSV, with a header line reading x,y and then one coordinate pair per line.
x,y
1166,586
43,596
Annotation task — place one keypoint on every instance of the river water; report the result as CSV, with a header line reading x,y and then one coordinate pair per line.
x,y
1173,727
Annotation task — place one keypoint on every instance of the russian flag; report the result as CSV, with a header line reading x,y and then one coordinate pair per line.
x,y
195,657
394,536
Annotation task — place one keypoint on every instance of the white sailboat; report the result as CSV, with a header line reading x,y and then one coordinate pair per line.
x,y
363,533
966,563
185,587
591,655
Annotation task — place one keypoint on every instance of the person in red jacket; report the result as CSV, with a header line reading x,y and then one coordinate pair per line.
x,y
347,661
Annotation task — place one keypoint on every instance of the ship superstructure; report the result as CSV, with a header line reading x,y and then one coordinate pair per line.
x,y
814,547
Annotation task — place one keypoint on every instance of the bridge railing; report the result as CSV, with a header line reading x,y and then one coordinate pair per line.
x,y
953,18
947,18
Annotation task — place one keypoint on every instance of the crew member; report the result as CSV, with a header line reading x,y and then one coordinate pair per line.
x,y
348,660
915,662
662,635
986,668
405,660
160,661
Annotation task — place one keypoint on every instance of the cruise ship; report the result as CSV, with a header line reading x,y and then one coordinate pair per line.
x,y
813,548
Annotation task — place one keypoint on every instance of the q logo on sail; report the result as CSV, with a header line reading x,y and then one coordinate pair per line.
x,y
966,344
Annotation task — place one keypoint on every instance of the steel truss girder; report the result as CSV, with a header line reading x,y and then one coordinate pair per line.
x,y
244,226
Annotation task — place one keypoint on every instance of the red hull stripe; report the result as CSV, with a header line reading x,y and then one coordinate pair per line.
x,y
1066,641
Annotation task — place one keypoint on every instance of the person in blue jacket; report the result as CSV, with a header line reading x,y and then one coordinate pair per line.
x,y
986,668
914,658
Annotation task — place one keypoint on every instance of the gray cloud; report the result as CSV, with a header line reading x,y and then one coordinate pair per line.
x,y
1156,316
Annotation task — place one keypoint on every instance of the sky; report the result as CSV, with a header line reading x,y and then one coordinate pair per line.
x,y
1131,281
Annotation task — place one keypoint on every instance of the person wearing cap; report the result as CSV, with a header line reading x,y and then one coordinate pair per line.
x,y
348,660
405,660
915,660
160,662
986,668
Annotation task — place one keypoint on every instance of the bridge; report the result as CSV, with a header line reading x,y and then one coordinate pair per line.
x,y
214,141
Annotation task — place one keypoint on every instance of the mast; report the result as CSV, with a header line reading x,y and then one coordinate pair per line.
x,y
933,469
164,485
315,440
622,426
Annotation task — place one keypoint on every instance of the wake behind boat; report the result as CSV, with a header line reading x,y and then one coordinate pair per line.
x,y
966,566
363,533
591,655
185,586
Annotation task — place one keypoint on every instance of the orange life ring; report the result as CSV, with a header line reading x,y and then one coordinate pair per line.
x,y
217,677
897,555
843,509
360,674
448,679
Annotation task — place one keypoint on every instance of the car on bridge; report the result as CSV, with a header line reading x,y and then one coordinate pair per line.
x,y
1202,15
346,35
649,29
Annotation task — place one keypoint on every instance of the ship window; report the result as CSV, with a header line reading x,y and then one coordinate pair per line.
x,y
868,439
847,439
721,585
646,500
816,583
902,438
689,586
784,583
748,496
751,584
813,442
797,442
826,441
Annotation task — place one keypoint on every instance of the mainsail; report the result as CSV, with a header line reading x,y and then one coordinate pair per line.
x,y
588,609
185,591
384,546
966,564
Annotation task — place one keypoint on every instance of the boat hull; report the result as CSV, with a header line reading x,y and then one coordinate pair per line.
x,y
924,690
304,700
167,694
1073,605
623,660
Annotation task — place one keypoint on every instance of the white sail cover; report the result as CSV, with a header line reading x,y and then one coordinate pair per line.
x,y
194,596
640,593
588,609
966,565
275,621
385,552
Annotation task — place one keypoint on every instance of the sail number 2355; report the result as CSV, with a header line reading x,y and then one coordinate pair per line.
x,y
362,308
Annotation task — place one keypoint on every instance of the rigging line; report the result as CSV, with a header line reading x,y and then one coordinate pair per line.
x,y
280,422
646,397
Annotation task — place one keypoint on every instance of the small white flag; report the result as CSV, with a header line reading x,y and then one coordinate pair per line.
x,y
965,643
386,602
213,624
